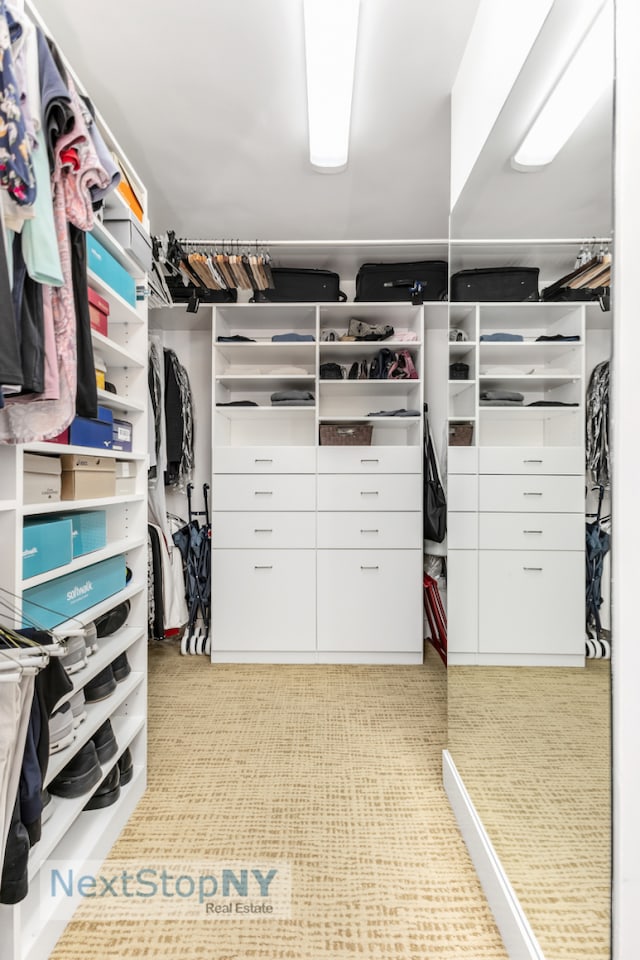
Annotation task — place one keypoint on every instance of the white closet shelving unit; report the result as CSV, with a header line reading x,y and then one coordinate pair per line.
x,y
30,929
516,494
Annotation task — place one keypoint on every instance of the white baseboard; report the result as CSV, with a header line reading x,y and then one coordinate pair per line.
x,y
519,939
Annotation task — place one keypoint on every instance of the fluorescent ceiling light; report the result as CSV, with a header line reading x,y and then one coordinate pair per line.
x,y
331,34
586,77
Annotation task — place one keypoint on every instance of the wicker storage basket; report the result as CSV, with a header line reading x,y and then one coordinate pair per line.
x,y
460,434
346,434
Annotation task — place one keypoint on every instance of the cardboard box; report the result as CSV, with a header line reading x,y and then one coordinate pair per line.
x,y
125,478
41,479
98,312
100,261
88,531
46,544
87,478
93,433
132,236
122,435
65,597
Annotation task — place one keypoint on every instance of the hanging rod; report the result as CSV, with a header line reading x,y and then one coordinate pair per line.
x,y
531,241
313,243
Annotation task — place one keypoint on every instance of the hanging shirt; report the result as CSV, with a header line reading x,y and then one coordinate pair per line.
x,y
16,170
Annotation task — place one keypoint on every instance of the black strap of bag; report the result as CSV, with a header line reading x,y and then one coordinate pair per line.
x,y
435,502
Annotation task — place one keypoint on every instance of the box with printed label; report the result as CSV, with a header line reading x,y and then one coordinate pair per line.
x,y
55,601
46,544
41,478
98,312
87,478
125,478
93,433
88,530
122,435
100,261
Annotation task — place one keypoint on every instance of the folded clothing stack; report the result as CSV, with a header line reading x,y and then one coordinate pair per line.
x,y
293,398
501,398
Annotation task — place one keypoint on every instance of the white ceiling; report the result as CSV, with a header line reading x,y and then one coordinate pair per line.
x,y
208,100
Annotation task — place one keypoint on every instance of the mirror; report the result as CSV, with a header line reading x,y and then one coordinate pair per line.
x,y
529,716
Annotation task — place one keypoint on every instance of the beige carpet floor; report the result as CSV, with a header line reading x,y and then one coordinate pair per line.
x,y
333,769
533,748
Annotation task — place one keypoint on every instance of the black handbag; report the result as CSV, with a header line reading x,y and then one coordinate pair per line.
x,y
293,285
377,282
509,284
434,500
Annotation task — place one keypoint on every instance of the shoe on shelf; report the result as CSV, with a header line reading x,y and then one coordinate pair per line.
x,y
101,686
77,703
75,656
108,791
113,619
104,740
61,732
125,764
121,667
47,806
91,639
81,773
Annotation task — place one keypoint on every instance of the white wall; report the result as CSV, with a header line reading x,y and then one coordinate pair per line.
x,y
626,466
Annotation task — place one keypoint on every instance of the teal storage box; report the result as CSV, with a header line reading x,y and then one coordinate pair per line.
x,y
89,531
100,261
51,603
46,544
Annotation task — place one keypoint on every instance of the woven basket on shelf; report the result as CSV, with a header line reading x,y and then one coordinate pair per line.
x,y
460,434
345,434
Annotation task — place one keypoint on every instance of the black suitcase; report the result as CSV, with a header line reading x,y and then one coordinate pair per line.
x,y
511,284
380,282
293,285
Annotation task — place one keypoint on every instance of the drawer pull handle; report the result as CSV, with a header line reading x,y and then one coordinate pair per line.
x,y
539,569
533,461
532,531
258,460
369,493
370,461
531,494
369,531
265,530
263,566
369,568
263,493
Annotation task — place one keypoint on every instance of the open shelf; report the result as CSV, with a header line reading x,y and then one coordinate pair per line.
x,y
109,242
365,388
115,402
112,550
109,648
68,506
365,348
251,413
265,382
86,616
7,505
113,354
120,311
533,381
388,421
58,448
267,352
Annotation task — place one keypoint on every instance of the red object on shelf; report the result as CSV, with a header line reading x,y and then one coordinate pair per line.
x,y
61,438
436,617
99,312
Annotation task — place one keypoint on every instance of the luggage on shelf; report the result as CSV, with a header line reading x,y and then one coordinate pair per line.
x,y
297,285
510,284
395,281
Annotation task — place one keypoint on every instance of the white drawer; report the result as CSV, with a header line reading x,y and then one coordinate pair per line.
x,y
263,600
402,491
370,600
522,531
370,530
263,530
462,492
532,460
264,493
531,602
462,459
369,459
264,460
519,494
462,601
462,531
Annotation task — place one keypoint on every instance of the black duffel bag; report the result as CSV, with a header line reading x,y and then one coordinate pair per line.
x,y
512,284
379,282
293,285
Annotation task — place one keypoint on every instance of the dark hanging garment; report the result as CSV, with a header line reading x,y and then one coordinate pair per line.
x,y
27,305
87,395
10,362
57,115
